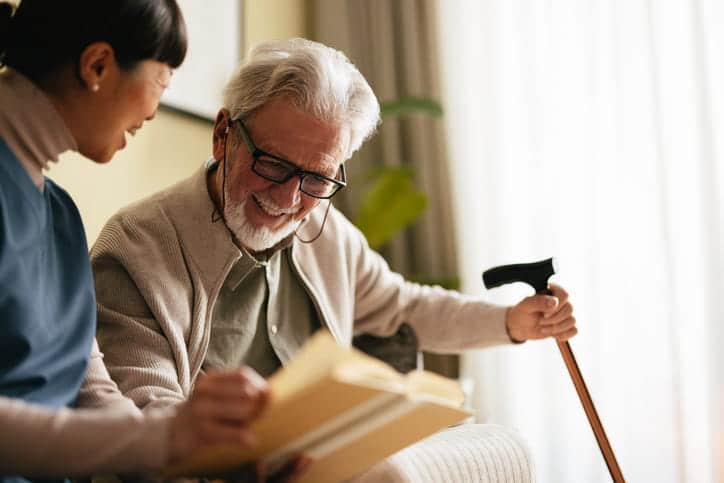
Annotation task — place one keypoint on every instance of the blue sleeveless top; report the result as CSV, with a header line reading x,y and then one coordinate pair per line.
x,y
47,300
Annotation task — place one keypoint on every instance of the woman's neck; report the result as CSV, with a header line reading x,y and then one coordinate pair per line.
x,y
31,125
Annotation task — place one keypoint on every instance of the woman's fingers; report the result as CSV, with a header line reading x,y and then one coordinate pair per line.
x,y
219,410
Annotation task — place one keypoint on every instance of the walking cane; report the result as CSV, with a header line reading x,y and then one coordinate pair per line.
x,y
536,274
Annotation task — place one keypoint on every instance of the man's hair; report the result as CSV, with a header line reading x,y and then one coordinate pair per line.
x,y
317,79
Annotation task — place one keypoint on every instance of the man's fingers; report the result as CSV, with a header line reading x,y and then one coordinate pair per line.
x,y
559,292
559,328
567,334
562,313
538,303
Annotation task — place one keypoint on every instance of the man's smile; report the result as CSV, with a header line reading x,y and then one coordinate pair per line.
x,y
272,210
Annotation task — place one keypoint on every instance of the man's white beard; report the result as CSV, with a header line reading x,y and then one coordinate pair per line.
x,y
254,238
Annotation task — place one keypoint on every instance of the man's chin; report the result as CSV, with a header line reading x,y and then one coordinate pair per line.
x,y
251,236
258,239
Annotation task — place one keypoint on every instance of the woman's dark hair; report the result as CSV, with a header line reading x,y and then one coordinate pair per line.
x,y
6,12
45,35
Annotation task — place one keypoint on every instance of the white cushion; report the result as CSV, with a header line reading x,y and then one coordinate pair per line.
x,y
469,453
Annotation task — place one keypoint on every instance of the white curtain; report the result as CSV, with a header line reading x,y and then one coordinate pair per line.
x,y
593,131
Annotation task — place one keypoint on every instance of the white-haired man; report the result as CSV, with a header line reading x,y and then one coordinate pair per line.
x,y
238,264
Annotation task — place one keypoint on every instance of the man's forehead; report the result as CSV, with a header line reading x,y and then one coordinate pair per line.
x,y
310,144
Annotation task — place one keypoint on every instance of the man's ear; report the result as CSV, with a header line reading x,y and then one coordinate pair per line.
x,y
97,64
222,126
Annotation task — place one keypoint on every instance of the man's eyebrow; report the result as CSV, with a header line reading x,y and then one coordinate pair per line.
x,y
329,169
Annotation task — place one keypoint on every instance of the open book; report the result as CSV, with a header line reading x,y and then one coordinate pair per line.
x,y
343,409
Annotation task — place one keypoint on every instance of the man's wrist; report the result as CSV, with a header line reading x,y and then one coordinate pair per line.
x,y
511,336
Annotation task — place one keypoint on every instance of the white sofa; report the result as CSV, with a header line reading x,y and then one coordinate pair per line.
x,y
469,453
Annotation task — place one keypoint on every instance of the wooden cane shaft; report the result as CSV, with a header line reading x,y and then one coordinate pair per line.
x,y
590,411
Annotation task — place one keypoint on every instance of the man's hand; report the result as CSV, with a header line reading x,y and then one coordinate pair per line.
x,y
219,411
541,316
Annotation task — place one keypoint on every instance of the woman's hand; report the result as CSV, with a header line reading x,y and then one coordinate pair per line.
x,y
219,411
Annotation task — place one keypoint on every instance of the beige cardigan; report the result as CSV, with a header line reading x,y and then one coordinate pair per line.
x,y
159,265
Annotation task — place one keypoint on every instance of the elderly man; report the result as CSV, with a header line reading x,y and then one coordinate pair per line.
x,y
238,264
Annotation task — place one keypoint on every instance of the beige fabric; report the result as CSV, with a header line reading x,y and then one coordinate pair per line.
x,y
36,441
159,265
472,453
30,125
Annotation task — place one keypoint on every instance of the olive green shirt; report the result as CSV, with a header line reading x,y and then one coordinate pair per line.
x,y
263,315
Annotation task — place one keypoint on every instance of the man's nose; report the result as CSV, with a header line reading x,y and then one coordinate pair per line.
x,y
288,194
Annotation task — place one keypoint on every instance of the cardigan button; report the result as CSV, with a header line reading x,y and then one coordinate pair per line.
x,y
274,329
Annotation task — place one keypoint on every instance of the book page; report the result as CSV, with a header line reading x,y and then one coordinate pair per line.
x,y
313,362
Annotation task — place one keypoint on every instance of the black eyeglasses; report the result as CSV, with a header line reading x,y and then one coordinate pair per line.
x,y
280,171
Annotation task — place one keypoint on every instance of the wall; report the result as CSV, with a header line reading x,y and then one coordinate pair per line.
x,y
170,147
274,19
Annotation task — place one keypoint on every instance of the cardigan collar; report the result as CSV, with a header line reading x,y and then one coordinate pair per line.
x,y
30,125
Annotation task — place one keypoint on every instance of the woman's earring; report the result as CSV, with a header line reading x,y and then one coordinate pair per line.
x,y
95,87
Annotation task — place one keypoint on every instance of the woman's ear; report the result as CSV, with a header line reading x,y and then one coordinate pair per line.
x,y
96,65
222,126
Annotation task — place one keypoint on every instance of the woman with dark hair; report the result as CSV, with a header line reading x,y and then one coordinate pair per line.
x,y
78,75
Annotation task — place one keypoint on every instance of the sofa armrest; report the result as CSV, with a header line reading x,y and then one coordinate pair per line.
x,y
473,453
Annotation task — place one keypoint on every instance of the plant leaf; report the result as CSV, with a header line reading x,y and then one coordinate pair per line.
x,y
389,205
405,106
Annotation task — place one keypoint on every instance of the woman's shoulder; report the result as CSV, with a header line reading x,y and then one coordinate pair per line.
x,y
18,188
65,211
21,203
